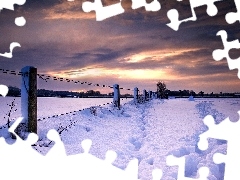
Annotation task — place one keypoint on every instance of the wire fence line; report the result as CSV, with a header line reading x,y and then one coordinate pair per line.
x,y
60,79
29,93
4,126
71,123
12,72
28,88
62,114
45,78
72,112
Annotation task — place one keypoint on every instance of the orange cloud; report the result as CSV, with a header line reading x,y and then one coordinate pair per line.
x,y
68,10
157,55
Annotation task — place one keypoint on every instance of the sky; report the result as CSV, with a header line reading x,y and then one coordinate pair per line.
x,y
133,49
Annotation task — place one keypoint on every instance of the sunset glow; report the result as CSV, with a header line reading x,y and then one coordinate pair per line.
x,y
119,73
157,55
134,49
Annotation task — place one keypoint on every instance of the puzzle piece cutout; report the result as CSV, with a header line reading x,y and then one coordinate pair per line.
x,y
9,4
173,14
229,131
3,90
153,6
12,46
18,156
19,21
232,17
180,162
103,13
57,165
219,54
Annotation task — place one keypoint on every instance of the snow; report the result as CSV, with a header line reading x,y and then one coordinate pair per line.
x,y
191,98
149,132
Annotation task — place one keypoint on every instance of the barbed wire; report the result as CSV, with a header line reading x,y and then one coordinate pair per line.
x,y
62,128
4,126
12,72
45,78
48,77
62,114
71,112
71,123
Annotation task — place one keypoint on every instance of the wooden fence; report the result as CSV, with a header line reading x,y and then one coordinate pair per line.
x,y
29,97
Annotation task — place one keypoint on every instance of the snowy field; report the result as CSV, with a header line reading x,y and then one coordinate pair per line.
x,y
149,132
49,106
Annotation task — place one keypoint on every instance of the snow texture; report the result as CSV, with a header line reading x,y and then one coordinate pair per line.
x,y
147,132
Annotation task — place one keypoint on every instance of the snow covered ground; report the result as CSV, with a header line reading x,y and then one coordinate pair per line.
x,y
48,106
148,132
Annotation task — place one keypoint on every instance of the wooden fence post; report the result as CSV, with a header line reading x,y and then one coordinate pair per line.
x,y
154,95
136,95
29,98
144,95
150,95
116,96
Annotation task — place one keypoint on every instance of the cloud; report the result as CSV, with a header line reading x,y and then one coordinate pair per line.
x,y
67,10
42,4
134,48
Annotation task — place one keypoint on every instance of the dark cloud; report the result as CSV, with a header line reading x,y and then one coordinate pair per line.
x,y
41,4
102,54
98,55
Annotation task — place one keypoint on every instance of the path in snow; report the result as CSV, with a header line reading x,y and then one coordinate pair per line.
x,y
148,132
165,128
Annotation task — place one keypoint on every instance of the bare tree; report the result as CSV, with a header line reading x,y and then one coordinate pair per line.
x,y
161,89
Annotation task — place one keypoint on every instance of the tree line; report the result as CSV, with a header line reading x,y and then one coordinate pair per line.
x,y
162,93
16,92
